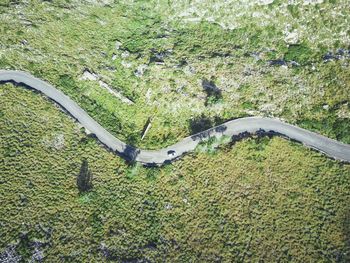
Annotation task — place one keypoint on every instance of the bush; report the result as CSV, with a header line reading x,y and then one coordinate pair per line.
x,y
84,179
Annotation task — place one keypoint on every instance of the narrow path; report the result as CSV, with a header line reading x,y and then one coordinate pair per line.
x,y
235,129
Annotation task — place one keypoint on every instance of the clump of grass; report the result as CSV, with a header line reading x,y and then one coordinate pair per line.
x,y
211,145
300,53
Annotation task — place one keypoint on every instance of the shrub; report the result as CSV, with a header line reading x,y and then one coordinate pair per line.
x,y
84,178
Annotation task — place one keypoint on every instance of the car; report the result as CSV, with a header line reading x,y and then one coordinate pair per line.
x,y
171,153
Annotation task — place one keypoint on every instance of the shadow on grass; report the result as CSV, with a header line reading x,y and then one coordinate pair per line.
x,y
214,94
129,154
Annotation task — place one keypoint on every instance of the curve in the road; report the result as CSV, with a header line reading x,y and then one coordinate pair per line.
x,y
235,129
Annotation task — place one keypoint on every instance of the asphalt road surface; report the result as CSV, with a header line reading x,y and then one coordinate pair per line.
x,y
236,129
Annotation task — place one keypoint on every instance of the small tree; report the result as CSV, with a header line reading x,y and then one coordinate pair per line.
x,y
84,178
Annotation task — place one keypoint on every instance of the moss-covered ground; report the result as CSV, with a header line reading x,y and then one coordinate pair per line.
x,y
261,200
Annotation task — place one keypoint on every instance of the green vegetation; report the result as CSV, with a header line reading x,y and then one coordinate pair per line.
x,y
185,66
158,53
262,199
212,144
84,178
299,53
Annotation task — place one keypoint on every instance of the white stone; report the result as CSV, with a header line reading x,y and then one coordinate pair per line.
x,y
114,92
118,45
140,70
87,75
125,54
291,37
148,95
126,64
265,2
312,2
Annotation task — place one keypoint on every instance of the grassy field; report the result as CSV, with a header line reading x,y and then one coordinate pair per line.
x,y
284,59
185,66
261,200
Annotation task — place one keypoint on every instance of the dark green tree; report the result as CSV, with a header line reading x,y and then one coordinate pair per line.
x,y
84,178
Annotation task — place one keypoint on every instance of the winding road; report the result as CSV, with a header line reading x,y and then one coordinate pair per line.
x,y
235,129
